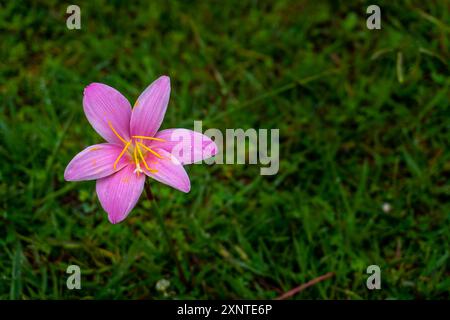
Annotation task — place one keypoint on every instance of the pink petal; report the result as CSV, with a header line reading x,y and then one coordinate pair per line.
x,y
169,170
95,162
150,108
120,192
186,145
105,107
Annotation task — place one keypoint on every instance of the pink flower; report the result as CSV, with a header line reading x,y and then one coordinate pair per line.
x,y
134,149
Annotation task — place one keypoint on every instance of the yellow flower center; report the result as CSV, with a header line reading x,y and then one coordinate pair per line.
x,y
134,150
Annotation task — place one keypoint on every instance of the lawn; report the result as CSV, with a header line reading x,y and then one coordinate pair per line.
x,y
364,124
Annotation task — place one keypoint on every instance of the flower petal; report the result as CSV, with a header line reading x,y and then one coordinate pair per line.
x,y
169,170
95,162
186,145
105,107
150,108
120,192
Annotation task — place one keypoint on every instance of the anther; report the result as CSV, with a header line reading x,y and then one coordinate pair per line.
x,y
149,138
115,132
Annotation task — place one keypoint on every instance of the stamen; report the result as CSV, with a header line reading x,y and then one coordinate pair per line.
x,y
142,157
135,158
150,150
149,138
121,154
115,132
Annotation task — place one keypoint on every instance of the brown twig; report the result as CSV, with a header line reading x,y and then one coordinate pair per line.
x,y
302,287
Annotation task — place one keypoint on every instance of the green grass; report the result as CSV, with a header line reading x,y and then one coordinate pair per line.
x,y
352,137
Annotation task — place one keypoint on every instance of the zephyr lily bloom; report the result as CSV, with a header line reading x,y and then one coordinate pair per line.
x,y
134,149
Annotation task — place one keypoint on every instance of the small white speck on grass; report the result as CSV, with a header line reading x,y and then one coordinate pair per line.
x,y
386,207
162,285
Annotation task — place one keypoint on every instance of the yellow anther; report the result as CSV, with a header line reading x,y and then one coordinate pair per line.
x,y
142,157
150,150
115,132
149,138
121,154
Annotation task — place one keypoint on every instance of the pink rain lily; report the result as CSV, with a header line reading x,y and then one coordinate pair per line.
x,y
134,149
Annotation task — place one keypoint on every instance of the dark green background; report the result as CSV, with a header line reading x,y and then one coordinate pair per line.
x,y
363,118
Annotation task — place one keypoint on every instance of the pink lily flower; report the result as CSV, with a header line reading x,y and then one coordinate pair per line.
x,y
134,149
